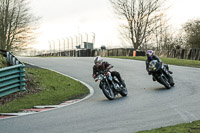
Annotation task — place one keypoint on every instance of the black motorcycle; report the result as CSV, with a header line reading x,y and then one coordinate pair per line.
x,y
111,86
161,74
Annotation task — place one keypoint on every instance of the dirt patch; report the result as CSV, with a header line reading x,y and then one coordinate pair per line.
x,y
3,62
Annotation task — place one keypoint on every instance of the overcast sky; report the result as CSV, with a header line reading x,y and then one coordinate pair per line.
x,y
65,18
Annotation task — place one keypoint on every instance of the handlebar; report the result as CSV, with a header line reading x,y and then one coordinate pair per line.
x,y
108,68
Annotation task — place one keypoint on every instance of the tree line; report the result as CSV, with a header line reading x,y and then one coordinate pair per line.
x,y
144,25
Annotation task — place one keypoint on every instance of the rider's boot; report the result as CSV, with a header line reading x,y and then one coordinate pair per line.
x,y
170,72
167,67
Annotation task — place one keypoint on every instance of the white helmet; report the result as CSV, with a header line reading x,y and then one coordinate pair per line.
x,y
98,60
150,53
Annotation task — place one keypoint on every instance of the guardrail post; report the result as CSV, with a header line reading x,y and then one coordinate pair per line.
x,y
17,62
7,56
13,60
22,80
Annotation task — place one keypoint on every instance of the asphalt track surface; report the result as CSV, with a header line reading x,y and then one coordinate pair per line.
x,y
148,104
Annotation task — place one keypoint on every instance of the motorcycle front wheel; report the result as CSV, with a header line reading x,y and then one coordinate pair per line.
x,y
164,82
107,91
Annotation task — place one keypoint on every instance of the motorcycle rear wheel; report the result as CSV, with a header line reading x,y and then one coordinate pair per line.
x,y
171,81
124,92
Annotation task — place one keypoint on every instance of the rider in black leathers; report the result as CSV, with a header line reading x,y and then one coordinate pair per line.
x,y
100,66
151,56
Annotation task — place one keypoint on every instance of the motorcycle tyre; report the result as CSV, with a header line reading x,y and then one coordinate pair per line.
x,y
108,92
124,92
171,81
163,81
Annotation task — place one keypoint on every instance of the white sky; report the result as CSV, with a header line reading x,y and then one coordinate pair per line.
x,y
65,18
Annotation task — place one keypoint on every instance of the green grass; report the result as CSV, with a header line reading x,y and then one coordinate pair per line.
x,y
172,61
55,88
143,58
193,127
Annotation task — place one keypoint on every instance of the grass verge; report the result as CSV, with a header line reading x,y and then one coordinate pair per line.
x,y
172,61
49,87
193,127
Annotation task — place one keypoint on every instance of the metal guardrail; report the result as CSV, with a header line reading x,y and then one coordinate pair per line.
x,y
12,78
11,59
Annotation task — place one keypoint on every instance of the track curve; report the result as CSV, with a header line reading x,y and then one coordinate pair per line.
x,y
148,104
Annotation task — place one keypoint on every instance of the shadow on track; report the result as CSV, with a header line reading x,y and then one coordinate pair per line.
x,y
117,98
162,89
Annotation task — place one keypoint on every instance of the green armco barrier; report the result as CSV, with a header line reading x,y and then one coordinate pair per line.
x,y
12,79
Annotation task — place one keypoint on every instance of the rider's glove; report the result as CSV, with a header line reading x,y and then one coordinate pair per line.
x,y
94,76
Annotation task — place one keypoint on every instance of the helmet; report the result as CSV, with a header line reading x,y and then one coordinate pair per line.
x,y
98,60
150,53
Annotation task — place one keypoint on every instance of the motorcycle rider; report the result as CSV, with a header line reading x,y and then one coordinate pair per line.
x,y
151,56
100,66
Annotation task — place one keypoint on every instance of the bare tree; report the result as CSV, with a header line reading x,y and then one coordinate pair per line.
x,y
16,24
163,35
192,31
141,17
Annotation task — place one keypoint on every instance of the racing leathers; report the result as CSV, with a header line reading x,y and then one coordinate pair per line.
x,y
154,57
149,60
98,69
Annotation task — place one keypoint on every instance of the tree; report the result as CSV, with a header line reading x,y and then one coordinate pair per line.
x,y
16,24
141,17
192,30
179,40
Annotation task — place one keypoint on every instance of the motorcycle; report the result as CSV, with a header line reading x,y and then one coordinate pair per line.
x,y
161,74
111,86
